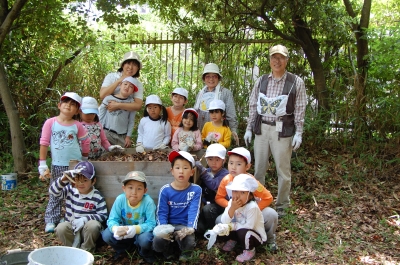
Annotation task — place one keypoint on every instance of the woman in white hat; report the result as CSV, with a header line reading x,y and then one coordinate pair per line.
x,y
130,66
213,90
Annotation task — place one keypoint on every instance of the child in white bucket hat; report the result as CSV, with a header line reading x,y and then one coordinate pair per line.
x,y
217,130
88,116
242,219
154,130
118,124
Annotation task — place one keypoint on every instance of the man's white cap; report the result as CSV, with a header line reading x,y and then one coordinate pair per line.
x,y
216,150
136,83
242,152
174,154
216,104
279,49
181,91
131,56
153,99
73,96
89,105
243,182
191,110
211,68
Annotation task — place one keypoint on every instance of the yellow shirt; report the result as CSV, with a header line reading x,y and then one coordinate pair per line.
x,y
221,133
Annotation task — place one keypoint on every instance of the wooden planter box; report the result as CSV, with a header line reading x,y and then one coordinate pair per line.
x,y
111,173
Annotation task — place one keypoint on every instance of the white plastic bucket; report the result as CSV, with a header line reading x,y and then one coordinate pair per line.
x,y
8,181
59,255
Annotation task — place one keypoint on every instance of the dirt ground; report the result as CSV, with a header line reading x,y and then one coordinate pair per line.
x,y
344,211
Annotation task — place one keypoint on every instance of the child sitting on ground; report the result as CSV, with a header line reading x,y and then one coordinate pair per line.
x,y
210,179
178,206
217,130
132,218
118,124
85,207
243,216
154,128
239,162
88,116
187,137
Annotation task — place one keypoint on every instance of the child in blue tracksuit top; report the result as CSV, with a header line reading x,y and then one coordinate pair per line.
x,y
178,207
132,219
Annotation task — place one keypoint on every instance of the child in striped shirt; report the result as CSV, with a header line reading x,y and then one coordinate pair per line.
x,y
85,207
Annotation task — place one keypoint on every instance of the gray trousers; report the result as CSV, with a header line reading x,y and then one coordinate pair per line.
x,y
266,144
89,234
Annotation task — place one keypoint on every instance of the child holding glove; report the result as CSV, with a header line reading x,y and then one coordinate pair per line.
x,y
85,207
132,218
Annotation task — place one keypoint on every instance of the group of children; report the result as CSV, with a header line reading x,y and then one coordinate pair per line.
x,y
82,130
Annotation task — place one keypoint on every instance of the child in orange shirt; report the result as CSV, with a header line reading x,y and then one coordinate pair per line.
x,y
239,162
179,98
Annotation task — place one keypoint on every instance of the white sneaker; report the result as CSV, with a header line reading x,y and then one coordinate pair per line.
x,y
50,228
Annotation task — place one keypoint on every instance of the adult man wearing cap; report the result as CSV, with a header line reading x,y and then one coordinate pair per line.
x,y
276,116
130,66
213,90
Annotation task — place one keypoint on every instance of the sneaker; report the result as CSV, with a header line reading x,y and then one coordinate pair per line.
x,y
229,245
50,228
281,212
272,247
246,255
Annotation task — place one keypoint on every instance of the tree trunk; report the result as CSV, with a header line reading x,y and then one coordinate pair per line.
x,y
17,139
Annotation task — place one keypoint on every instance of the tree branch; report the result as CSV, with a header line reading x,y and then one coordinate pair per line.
x,y
9,19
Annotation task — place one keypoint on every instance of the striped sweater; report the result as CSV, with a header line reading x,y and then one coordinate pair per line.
x,y
92,206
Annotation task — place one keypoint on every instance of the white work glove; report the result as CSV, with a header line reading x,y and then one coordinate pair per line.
x,y
160,146
42,167
222,229
212,237
77,224
164,231
182,233
296,141
115,148
235,137
210,138
247,137
70,174
131,232
139,148
200,167
120,232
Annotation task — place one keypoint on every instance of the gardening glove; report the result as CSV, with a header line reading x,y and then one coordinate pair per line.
x,y
181,234
212,237
235,137
42,167
160,146
139,148
211,138
85,158
131,231
77,224
296,141
200,167
164,231
247,137
119,232
115,148
222,229
70,174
